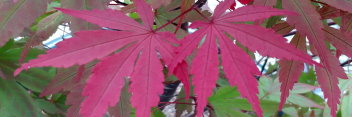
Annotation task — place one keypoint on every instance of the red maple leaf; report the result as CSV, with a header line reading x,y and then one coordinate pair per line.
x,y
136,52
238,66
308,23
136,49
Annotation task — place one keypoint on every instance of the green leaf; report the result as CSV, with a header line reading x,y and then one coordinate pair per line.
x,y
346,105
54,3
227,99
345,84
326,112
226,92
308,78
7,46
34,79
303,101
226,103
291,111
303,88
47,106
16,102
157,113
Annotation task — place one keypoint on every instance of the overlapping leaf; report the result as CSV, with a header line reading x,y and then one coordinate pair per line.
x,y
140,49
15,16
308,23
344,5
290,70
238,67
123,108
79,24
340,40
74,82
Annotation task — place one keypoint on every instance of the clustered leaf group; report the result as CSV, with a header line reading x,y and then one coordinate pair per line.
x,y
139,52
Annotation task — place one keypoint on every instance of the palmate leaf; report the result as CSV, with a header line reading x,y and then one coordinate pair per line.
x,y
139,58
308,23
17,15
238,67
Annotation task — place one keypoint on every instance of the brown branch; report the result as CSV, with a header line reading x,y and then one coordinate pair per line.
x,y
119,3
174,19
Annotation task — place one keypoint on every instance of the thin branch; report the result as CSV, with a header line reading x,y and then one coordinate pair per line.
x,y
172,21
265,62
120,3
258,62
346,63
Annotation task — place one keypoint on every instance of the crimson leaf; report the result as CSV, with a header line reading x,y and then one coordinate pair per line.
x,y
140,46
238,67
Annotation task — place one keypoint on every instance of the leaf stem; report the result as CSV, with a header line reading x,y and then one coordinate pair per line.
x,y
171,21
264,64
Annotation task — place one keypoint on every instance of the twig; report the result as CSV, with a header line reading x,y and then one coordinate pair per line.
x,y
265,62
346,63
174,19
120,3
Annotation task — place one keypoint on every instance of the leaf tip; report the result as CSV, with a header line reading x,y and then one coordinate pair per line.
x,y
18,71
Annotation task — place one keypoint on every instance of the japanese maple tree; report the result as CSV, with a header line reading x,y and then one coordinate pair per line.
x,y
116,56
